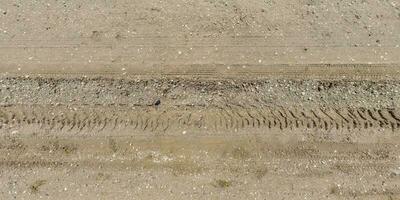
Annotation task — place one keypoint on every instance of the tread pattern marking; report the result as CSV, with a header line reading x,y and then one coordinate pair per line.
x,y
228,118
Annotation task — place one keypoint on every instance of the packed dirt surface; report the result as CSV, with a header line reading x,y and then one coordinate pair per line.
x,y
65,36
175,137
206,99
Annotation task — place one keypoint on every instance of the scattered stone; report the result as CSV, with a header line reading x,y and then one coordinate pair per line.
x,y
395,172
157,102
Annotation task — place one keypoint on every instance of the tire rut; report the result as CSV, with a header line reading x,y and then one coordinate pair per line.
x,y
222,118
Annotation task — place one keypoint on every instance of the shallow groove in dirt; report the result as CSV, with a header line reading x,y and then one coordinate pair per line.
x,y
388,71
229,118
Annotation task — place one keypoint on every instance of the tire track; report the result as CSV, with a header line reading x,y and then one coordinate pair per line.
x,y
222,118
320,71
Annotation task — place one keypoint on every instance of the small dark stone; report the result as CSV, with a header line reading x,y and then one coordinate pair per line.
x,y
158,102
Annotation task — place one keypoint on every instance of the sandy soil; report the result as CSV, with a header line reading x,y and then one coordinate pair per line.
x,y
195,138
204,99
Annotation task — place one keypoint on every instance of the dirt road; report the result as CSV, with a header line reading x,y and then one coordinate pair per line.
x,y
200,100
168,136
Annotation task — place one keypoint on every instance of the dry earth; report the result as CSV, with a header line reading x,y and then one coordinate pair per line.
x,y
208,99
